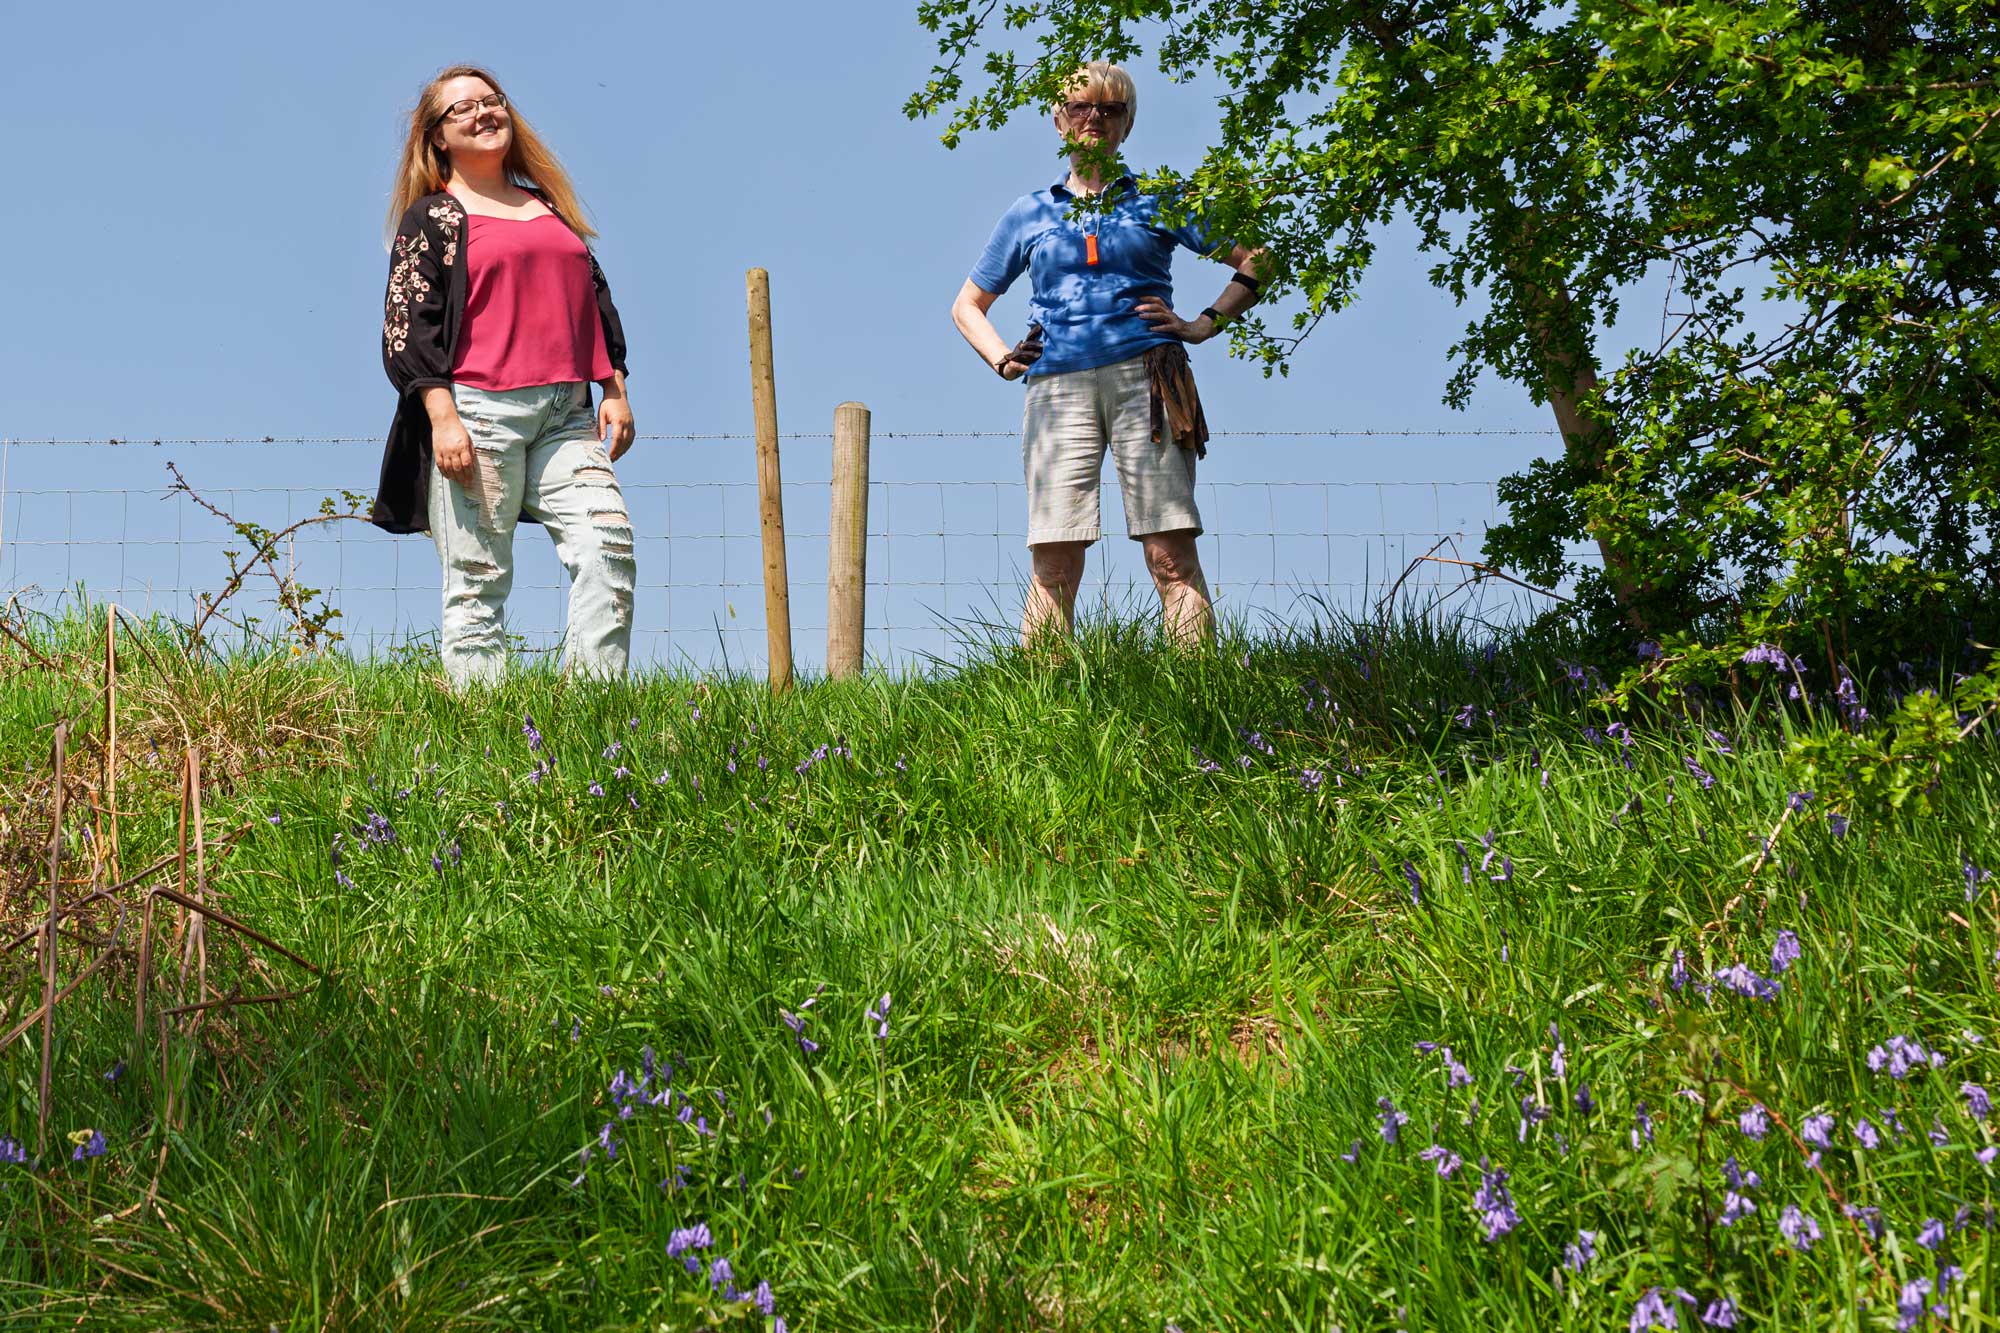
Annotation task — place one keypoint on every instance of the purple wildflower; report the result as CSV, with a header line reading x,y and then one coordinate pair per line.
x,y
1744,982
1495,1204
1577,1257
1311,778
1353,1153
1974,877
1642,1126
1866,1134
1837,822
1932,1234
11,1152
1796,802
1506,871
1785,952
880,1015
1583,1100
1392,1120
1738,1178
1647,650
1798,1228
1448,1162
1532,1113
534,736
720,1272
1416,884
1818,1130
89,1143
684,1239
1456,1075
1735,1207
1869,1218
1902,1056
1653,1311
1721,1313
1985,1156
1701,775
1977,1104
1767,654
1677,972
1910,1303
1559,1059
1755,1122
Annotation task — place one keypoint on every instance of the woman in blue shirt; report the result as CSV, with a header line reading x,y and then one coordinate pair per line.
x,y
1104,362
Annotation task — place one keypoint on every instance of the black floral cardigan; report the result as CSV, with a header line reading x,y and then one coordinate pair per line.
x,y
421,315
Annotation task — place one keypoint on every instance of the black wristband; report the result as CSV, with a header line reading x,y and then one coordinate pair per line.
x,y
1248,281
1214,315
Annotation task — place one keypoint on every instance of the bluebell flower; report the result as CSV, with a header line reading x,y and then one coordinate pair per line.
x,y
1392,1120
1785,952
1448,1162
1986,1155
11,1152
1974,877
720,1272
1642,1126
684,1239
1837,823
1456,1075
1910,1304
1506,871
1738,1178
1577,1257
116,1072
1939,1138
273,820
1311,778
1798,1228
1495,1203
1902,1056
1532,1113
1486,840
1353,1153
1818,1130
1866,1134
1735,1207
1755,1122
1797,801
1767,654
534,736
880,1015
1583,1100
1948,1274
1721,1313
1977,1103
1870,1218
1932,1234
1653,1311
1416,883
1677,972
1647,651
1848,696
1744,982
89,1143
1701,775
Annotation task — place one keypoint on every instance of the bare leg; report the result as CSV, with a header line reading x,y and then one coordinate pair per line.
x,y
1052,587
1175,565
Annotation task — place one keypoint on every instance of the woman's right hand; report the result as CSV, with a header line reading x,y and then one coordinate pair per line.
x,y
451,449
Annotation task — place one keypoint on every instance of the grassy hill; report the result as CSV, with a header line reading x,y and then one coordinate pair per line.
x,y
1332,981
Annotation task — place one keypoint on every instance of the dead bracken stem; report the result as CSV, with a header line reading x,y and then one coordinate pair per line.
x,y
49,941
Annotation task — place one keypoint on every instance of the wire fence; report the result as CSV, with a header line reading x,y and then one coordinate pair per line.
x,y
946,558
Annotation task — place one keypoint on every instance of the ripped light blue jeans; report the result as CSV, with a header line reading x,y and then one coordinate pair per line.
x,y
534,451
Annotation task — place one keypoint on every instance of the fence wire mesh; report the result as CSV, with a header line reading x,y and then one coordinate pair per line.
x,y
946,557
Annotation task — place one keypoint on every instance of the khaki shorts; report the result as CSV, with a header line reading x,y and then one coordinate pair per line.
x,y
1070,420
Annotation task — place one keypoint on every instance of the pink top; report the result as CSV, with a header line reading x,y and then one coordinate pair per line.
x,y
530,307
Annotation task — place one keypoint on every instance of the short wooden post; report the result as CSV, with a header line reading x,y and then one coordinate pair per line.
x,y
770,491
847,543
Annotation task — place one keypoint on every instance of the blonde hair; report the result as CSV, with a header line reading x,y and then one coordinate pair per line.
x,y
424,167
1103,76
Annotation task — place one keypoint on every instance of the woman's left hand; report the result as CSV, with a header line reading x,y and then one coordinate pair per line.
x,y
614,425
1161,316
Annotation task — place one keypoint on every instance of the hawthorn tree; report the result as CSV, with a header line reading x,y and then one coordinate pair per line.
x,y
1829,486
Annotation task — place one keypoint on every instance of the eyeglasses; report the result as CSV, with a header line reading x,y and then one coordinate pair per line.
x,y
468,107
1105,110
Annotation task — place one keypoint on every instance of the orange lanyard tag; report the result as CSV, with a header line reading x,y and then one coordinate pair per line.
x,y
1090,249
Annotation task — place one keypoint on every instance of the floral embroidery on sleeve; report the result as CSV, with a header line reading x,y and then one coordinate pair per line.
x,y
407,286
447,216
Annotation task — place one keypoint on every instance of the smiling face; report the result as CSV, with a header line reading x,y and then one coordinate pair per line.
x,y
487,129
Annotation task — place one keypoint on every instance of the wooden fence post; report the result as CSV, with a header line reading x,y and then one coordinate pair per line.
x,y
847,543
770,491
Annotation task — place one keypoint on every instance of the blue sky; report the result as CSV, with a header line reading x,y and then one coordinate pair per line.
x,y
194,248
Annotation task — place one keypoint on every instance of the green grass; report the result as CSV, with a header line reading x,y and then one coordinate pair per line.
x,y
1140,1011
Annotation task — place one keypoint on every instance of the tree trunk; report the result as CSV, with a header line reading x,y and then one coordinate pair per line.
x,y
1569,375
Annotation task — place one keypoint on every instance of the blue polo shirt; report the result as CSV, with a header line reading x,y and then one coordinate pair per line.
x,y
1087,313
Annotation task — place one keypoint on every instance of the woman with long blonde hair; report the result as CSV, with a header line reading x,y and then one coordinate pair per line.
x,y
496,323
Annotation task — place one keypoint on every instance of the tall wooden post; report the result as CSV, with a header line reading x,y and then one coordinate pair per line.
x,y
847,543
770,491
